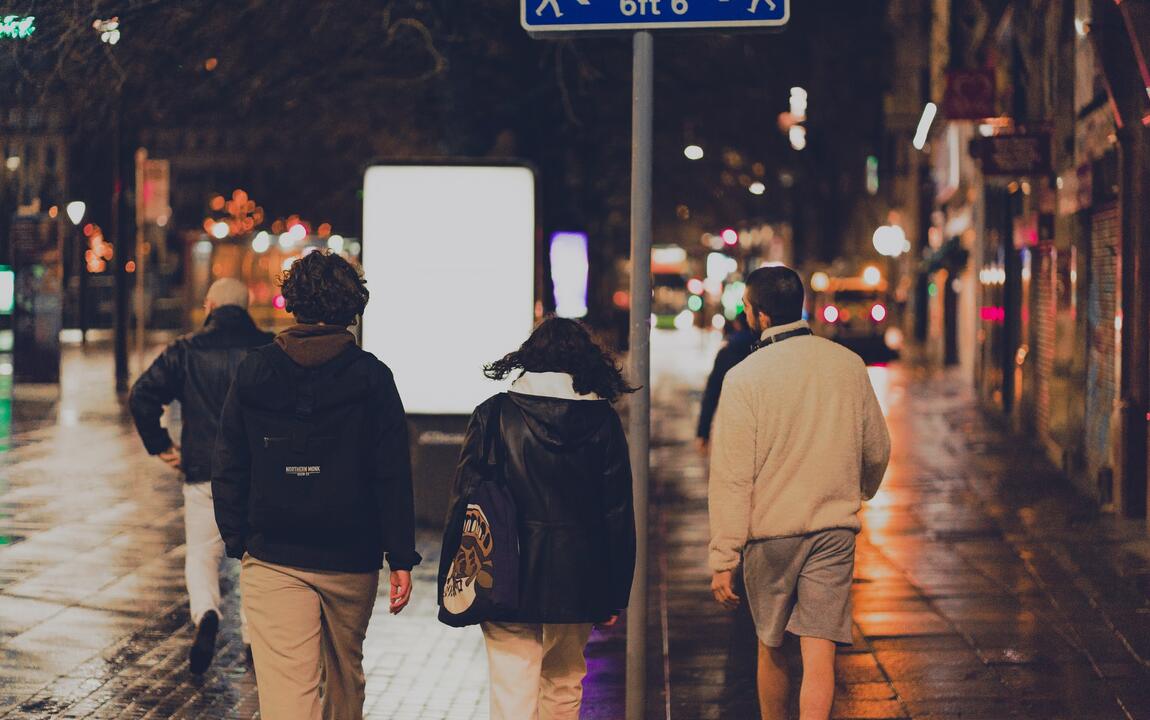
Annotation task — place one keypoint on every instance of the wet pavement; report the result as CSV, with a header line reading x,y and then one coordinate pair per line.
x,y
93,614
984,587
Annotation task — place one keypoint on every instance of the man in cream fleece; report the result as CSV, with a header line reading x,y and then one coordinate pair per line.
x,y
799,442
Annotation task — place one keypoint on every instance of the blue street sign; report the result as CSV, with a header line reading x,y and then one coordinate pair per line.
x,y
544,16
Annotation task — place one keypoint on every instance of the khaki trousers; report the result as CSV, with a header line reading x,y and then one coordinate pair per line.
x,y
536,670
307,629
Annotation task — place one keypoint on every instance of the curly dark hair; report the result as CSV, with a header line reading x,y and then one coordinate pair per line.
x,y
322,287
562,345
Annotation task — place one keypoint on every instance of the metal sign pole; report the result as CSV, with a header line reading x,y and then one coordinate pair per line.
x,y
642,101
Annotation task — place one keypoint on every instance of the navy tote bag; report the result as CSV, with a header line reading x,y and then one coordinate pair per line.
x,y
482,538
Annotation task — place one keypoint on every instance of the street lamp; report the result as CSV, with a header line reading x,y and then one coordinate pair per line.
x,y
76,210
890,241
693,152
797,132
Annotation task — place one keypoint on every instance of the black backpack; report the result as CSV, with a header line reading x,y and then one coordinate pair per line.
x,y
309,438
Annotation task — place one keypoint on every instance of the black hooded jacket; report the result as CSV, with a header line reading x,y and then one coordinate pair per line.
x,y
320,519
197,369
567,466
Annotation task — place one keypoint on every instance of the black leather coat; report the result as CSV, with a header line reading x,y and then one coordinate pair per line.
x,y
197,369
566,463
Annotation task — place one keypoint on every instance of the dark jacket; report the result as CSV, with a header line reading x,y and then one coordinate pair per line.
x,y
567,466
736,349
352,521
197,370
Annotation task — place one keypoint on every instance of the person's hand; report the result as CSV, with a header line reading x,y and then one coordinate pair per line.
x,y
703,445
610,622
171,457
723,589
400,590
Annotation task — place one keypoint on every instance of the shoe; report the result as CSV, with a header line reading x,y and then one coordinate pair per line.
x,y
204,646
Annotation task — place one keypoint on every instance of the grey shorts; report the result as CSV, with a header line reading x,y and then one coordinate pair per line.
x,y
801,585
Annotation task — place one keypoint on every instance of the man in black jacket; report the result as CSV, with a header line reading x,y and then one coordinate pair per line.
x,y
197,370
738,345
312,487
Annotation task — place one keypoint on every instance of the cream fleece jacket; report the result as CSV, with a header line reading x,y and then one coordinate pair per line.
x,y
799,441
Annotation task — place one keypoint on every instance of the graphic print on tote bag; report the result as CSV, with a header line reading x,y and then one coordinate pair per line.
x,y
472,564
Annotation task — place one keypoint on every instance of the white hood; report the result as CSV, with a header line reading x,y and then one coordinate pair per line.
x,y
549,384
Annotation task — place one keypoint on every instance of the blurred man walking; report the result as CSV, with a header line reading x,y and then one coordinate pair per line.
x,y
799,442
197,370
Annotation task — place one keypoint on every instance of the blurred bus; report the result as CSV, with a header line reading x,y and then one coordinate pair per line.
x,y
855,311
669,294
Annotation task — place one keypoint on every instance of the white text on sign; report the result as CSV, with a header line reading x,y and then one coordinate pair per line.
x,y
631,7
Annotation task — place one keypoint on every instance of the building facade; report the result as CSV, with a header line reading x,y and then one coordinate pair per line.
x,y
1036,247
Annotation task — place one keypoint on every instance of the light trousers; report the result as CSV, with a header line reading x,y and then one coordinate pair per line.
x,y
536,670
307,629
204,551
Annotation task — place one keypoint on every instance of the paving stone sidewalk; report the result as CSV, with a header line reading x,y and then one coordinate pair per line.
x,y
93,614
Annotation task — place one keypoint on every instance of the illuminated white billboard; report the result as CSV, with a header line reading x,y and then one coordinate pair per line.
x,y
449,256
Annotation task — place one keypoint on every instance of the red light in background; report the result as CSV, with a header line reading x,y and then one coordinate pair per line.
x,y
993,314
621,298
130,266
279,302
730,237
831,314
878,312
695,286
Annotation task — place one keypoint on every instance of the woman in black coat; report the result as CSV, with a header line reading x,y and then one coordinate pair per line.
x,y
565,461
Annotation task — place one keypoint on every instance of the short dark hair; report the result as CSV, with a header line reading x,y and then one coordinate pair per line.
x,y
322,287
563,345
776,292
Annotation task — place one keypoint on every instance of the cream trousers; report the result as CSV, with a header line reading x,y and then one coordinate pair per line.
x,y
536,670
204,549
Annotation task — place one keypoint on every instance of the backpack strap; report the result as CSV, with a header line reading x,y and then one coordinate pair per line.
x,y
492,439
